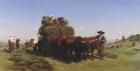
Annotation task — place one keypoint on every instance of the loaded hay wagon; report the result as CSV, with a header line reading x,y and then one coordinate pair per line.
x,y
51,33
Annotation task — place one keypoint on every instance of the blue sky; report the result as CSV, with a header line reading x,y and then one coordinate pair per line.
x,y
116,17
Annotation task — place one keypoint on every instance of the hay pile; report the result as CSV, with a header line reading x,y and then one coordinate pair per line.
x,y
54,26
50,28
31,63
111,55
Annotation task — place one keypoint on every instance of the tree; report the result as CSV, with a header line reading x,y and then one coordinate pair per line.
x,y
123,38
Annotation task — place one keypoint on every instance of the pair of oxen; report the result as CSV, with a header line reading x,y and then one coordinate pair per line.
x,y
69,46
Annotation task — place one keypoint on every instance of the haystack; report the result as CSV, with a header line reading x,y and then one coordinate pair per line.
x,y
46,21
67,30
52,31
52,27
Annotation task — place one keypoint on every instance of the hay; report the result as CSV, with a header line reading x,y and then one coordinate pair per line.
x,y
33,63
51,28
40,65
40,30
47,29
51,32
54,31
132,52
62,21
65,22
15,58
22,63
46,21
67,30
111,55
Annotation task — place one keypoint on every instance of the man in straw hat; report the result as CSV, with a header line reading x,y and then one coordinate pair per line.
x,y
17,43
100,40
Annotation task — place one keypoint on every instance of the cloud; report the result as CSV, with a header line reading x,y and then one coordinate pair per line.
x,y
2,32
4,35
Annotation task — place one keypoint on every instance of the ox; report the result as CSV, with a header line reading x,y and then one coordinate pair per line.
x,y
89,44
63,46
67,45
92,43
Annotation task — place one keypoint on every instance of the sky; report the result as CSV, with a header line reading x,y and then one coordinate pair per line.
x,y
22,18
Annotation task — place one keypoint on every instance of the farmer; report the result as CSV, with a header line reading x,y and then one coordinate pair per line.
x,y
11,44
17,43
100,40
54,20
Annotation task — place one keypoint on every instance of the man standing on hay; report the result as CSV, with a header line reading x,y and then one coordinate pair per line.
x,y
54,20
100,40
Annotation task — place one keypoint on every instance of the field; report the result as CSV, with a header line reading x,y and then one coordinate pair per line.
x,y
128,59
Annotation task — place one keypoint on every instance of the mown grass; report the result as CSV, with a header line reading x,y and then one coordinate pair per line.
x,y
116,59
4,62
127,59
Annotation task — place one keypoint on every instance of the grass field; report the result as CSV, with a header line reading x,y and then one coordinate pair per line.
x,y
128,60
